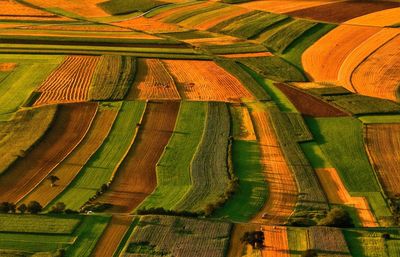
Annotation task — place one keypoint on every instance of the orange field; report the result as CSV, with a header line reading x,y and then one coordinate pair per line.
x,y
7,67
323,60
379,74
205,81
81,27
87,8
338,194
153,82
282,195
72,165
246,124
383,147
70,82
136,177
222,40
247,55
149,25
382,18
220,17
276,242
360,53
14,10
283,6
69,128
112,236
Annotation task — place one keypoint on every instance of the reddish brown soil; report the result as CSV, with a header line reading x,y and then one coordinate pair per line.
x,y
136,177
343,11
308,104
70,126
113,235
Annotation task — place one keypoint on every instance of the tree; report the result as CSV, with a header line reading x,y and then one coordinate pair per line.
x,y
309,253
58,207
53,179
337,217
22,208
6,207
254,238
34,207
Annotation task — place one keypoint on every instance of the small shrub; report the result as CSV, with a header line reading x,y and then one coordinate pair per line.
x,y
34,207
337,217
309,253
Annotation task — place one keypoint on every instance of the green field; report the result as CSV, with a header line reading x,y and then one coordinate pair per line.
x,y
105,162
118,7
173,178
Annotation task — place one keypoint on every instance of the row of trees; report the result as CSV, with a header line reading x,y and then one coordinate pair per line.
x,y
32,207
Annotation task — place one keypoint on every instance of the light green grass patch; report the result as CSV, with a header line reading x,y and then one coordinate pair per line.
x,y
298,241
373,119
34,242
315,155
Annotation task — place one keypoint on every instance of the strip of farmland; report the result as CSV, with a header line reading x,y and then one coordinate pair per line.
x,y
70,82
173,178
383,146
276,242
135,178
68,169
69,128
153,82
328,241
107,158
209,170
205,81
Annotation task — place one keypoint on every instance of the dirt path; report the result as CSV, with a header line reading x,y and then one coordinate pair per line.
x,y
112,236
338,194
282,195
69,128
136,177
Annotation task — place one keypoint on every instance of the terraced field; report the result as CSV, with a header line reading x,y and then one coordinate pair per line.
x,y
232,128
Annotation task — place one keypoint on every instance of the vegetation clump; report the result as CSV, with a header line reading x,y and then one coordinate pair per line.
x,y
254,238
337,217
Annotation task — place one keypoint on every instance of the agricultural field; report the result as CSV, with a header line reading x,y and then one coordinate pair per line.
x,y
212,128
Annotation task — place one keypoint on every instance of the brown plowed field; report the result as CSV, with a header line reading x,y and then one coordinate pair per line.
x,y
383,146
153,82
328,240
220,17
149,25
382,18
283,6
360,53
379,75
7,67
308,104
70,126
205,81
112,236
343,11
72,165
136,177
70,82
276,242
246,55
338,194
282,195
87,8
323,59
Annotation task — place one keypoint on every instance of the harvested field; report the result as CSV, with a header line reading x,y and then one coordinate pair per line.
x,y
338,194
206,81
149,25
111,238
242,129
276,242
281,183
322,61
113,77
342,11
283,6
7,67
15,11
68,169
136,177
21,133
383,145
221,41
328,241
381,19
69,128
87,8
153,82
77,27
70,82
247,55
308,104
379,75
362,53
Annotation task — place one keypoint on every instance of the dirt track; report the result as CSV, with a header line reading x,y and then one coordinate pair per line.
x,y
69,128
282,195
136,177
112,236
